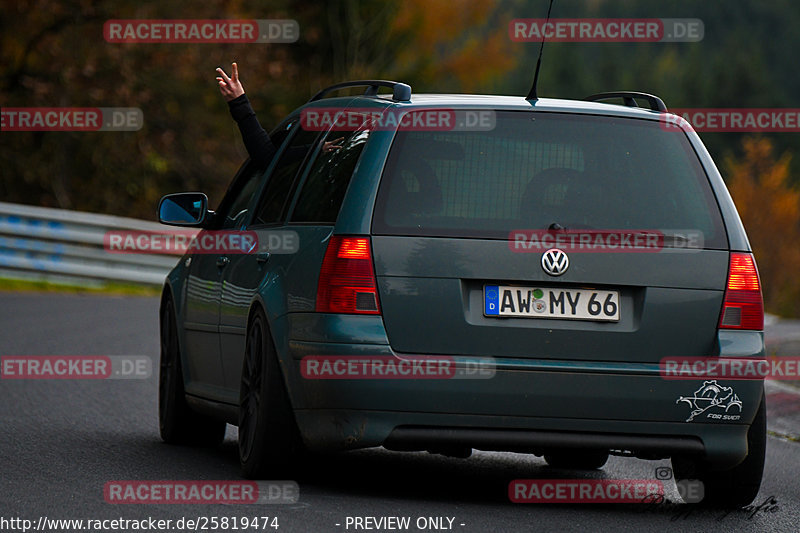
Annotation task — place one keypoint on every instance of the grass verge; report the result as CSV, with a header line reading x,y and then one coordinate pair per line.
x,y
116,288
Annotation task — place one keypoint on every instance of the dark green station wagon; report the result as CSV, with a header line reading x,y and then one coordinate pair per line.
x,y
471,272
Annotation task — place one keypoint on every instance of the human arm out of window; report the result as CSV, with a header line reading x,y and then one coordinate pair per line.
x,y
259,146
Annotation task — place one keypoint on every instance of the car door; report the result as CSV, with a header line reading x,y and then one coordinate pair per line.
x,y
203,291
245,273
293,229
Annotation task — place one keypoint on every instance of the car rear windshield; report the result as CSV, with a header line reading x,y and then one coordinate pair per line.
x,y
538,170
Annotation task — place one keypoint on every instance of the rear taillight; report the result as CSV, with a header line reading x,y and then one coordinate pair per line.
x,y
743,307
347,278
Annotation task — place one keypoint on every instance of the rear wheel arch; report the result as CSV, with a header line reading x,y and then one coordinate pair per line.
x,y
737,486
258,306
269,439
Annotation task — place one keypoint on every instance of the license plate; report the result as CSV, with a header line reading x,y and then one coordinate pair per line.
x,y
543,302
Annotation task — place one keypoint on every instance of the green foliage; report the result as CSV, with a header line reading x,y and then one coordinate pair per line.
x,y
745,59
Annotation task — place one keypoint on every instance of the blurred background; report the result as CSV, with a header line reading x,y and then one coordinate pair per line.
x,y
53,54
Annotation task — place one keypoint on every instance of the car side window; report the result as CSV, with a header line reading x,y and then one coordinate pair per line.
x,y
273,199
233,214
233,209
323,191
279,134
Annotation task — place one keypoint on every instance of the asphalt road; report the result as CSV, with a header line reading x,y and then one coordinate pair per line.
x,y
61,441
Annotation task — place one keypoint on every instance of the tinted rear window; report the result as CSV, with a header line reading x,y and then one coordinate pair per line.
x,y
537,169
324,189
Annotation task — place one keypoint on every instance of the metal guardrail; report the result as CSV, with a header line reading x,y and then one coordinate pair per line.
x,y
40,243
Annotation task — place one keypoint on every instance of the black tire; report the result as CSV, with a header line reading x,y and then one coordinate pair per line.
x,y
739,485
177,423
269,440
577,459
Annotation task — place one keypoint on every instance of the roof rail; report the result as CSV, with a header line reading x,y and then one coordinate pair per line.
x,y
401,92
629,97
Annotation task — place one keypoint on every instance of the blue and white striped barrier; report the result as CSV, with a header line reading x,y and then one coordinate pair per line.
x,y
40,243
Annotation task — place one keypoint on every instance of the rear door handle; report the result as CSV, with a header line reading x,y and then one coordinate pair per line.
x,y
222,261
262,257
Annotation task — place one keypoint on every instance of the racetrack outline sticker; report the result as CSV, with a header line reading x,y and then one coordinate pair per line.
x,y
712,395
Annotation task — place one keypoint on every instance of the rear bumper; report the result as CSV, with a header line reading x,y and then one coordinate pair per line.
x,y
528,405
722,446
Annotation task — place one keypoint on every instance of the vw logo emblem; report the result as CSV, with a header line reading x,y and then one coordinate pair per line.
x,y
555,262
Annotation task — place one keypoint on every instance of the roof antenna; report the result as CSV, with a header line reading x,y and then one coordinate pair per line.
x,y
532,94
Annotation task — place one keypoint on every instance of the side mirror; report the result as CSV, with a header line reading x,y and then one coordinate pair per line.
x,y
183,209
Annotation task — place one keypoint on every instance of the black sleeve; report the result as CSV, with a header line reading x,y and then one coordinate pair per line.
x,y
256,140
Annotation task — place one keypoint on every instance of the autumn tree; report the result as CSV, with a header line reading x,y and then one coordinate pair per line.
x,y
769,205
53,54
